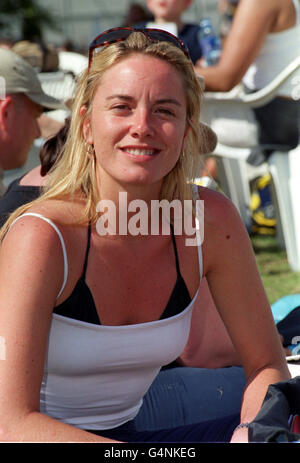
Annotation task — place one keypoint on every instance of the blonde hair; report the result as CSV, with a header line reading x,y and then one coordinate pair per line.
x,y
75,171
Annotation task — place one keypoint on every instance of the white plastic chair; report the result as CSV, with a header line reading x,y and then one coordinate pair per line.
x,y
285,172
61,84
233,149
71,61
58,84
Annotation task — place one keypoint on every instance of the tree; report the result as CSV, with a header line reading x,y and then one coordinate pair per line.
x,y
30,16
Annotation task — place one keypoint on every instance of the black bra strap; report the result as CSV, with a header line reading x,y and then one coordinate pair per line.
x,y
89,243
175,251
87,251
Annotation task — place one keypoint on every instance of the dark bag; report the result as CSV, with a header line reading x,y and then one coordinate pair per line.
x,y
289,328
279,417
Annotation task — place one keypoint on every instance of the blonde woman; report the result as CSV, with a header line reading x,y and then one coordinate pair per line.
x,y
89,317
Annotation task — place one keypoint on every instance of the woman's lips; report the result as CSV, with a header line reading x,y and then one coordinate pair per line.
x,y
140,152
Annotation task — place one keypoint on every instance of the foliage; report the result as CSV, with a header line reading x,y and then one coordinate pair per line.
x,y
29,15
274,269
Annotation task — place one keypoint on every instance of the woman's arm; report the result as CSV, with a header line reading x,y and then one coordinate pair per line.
x,y
252,22
206,347
236,286
31,274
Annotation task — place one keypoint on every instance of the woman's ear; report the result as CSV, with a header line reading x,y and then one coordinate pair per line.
x,y
86,126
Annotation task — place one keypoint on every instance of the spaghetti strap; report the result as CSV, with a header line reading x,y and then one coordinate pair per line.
x,y
200,255
34,214
175,251
87,251
198,231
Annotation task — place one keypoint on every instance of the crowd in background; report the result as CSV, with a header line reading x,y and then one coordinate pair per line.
x,y
34,110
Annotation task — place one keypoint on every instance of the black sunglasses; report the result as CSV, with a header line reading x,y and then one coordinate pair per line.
x,y
118,34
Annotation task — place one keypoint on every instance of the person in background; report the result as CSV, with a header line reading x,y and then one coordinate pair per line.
x,y
226,9
21,105
6,42
27,188
170,11
136,14
97,324
44,59
263,40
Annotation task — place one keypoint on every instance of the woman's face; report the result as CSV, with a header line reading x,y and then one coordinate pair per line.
x,y
167,10
137,122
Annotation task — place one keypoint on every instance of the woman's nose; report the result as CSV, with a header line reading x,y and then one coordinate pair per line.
x,y
141,124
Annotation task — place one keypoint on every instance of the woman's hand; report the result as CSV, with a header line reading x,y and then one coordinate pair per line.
x,y
240,436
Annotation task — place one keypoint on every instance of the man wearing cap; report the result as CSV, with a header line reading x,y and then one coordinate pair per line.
x,y
22,101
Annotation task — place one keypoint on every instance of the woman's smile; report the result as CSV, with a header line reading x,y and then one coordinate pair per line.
x,y
140,153
138,121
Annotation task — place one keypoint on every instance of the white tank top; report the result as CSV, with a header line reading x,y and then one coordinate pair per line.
x,y
95,376
278,51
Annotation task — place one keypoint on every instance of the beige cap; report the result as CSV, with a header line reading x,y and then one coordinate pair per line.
x,y
20,77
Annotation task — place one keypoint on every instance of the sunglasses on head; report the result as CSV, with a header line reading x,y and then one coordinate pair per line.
x,y
118,34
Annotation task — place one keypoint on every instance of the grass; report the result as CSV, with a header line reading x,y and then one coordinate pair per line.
x,y
274,269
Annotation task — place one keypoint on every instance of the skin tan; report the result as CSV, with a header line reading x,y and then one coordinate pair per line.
x,y
253,20
34,178
168,10
138,117
18,129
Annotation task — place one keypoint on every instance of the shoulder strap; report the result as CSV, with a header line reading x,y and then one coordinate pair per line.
x,y
87,251
62,244
175,251
198,233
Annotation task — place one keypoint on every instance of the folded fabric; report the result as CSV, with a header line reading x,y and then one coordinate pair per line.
x,y
278,418
284,305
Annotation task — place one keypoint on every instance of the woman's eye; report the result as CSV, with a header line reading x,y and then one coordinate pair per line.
x,y
121,107
166,111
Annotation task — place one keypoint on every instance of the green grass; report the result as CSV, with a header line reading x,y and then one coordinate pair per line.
x,y
274,269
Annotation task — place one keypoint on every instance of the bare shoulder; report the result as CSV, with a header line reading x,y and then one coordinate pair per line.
x,y
40,229
266,5
220,214
278,14
61,211
35,243
30,235
224,232
250,11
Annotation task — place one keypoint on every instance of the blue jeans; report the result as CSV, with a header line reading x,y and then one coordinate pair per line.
x,y
219,430
184,395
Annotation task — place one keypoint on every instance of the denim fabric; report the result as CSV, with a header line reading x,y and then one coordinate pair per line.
x,y
183,396
210,431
